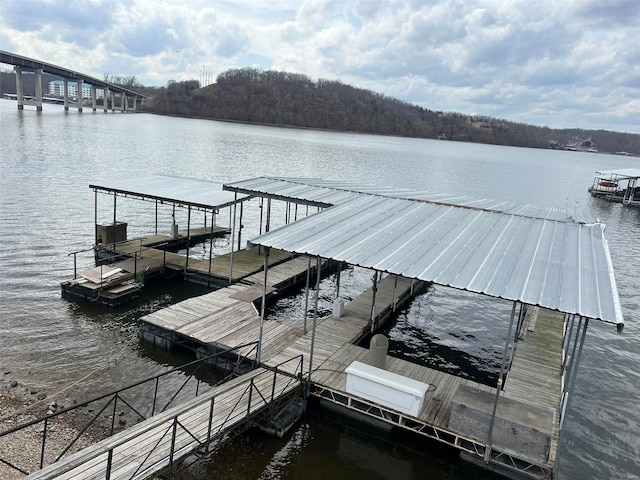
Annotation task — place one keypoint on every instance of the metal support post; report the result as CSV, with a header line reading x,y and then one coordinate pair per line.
x,y
114,222
395,292
186,264
213,221
373,300
487,451
306,297
315,317
263,306
240,227
566,404
233,232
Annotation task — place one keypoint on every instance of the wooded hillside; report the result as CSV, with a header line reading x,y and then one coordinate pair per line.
x,y
292,99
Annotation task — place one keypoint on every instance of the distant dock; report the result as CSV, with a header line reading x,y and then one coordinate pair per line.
x,y
619,185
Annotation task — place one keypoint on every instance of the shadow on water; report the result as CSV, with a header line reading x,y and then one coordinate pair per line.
x,y
324,445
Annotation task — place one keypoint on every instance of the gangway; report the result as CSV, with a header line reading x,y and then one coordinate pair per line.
x,y
163,439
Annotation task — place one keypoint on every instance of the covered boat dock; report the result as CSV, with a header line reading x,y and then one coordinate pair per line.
x,y
620,185
555,269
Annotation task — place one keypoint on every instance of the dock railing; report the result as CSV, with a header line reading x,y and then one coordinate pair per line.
x,y
104,409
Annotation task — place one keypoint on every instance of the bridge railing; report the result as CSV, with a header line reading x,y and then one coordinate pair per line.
x,y
103,415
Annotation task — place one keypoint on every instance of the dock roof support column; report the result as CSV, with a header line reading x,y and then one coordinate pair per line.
x,y
373,300
19,88
93,97
487,450
338,279
38,73
395,293
240,227
233,232
95,216
105,99
115,196
567,396
306,297
213,221
263,305
268,223
113,102
315,318
186,264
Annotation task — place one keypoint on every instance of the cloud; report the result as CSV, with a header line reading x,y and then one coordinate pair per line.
x,y
571,63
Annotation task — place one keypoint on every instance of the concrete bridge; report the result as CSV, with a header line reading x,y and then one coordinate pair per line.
x,y
128,99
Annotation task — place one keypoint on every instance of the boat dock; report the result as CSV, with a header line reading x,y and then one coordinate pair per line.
x,y
554,269
620,185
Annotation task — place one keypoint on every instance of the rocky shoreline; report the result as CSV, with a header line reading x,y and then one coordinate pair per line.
x,y
20,404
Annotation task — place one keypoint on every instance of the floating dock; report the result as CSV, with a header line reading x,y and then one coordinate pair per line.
x,y
619,185
554,268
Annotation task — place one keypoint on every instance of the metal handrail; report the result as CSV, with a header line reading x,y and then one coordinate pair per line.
x,y
173,422
115,396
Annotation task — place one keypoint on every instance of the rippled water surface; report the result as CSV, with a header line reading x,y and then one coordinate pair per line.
x,y
47,161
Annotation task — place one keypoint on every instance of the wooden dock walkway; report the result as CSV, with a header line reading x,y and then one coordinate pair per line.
x,y
160,441
228,317
151,258
534,380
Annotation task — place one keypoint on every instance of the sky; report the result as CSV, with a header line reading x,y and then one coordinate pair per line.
x,y
558,63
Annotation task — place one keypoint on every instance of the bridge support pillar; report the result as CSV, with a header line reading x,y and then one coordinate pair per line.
x,y
19,88
65,93
135,100
79,87
93,97
123,102
38,73
105,99
113,105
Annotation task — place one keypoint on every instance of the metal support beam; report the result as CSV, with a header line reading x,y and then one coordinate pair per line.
x,y
93,98
233,232
315,318
569,394
487,453
240,227
306,297
115,223
263,306
186,265
373,300
213,221
95,216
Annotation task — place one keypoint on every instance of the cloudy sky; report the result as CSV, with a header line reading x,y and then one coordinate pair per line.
x,y
560,63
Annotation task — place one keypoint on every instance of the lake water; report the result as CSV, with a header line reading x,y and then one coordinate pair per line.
x,y
48,159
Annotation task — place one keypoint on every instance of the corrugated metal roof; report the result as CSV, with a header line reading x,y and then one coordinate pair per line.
x,y
325,193
558,265
621,173
183,191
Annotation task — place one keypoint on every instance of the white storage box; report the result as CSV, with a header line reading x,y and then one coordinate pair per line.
x,y
386,388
